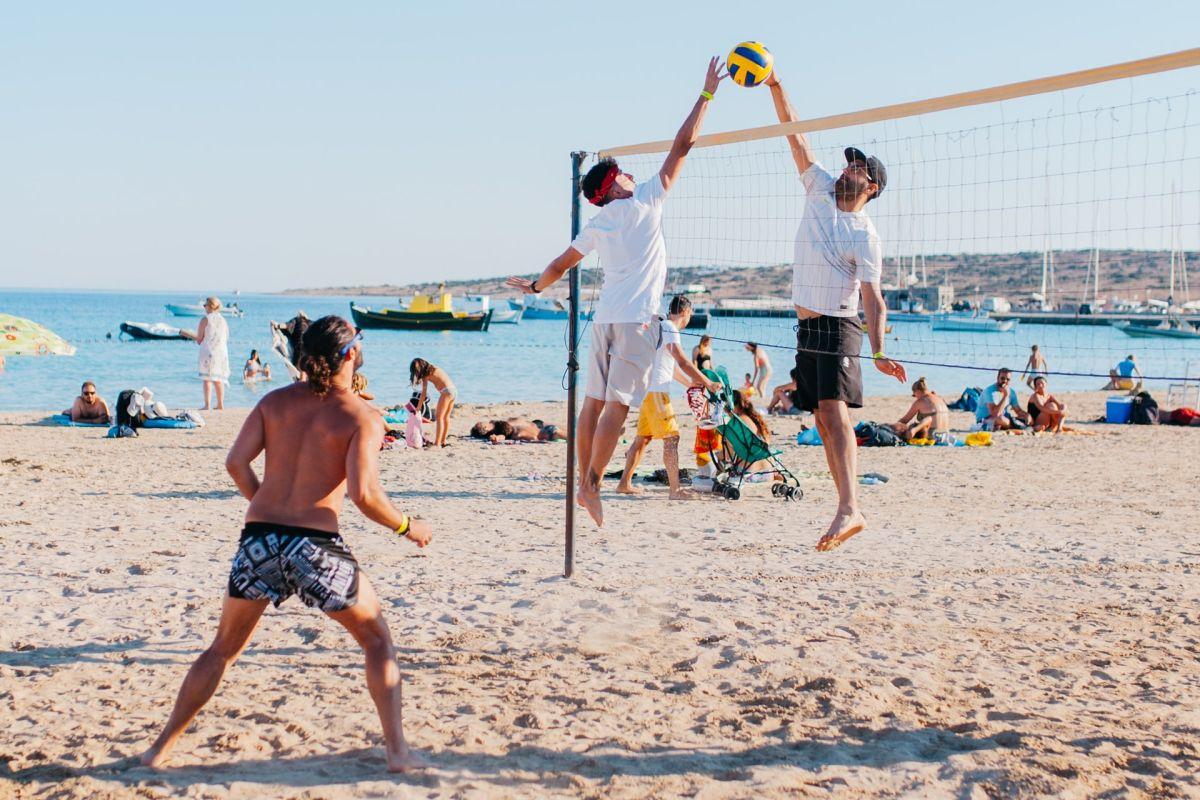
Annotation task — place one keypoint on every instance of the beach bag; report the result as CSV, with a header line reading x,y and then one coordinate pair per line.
x,y
968,400
413,436
426,411
124,418
872,434
1144,411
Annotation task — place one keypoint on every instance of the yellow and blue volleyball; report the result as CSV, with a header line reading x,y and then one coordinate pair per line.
x,y
749,63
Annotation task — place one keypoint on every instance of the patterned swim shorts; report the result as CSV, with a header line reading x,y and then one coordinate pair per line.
x,y
274,562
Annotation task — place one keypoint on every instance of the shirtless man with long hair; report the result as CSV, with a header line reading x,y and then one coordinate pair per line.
x,y
321,443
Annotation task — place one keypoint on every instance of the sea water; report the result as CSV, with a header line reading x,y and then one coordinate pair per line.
x,y
525,362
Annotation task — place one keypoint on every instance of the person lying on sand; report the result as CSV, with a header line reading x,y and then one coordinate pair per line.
x,y
89,406
291,545
927,418
516,429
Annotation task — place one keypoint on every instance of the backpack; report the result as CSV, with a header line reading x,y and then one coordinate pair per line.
x,y
872,434
124,418
968,400
1145,410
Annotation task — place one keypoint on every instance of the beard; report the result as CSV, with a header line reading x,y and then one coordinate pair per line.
x,y
848,189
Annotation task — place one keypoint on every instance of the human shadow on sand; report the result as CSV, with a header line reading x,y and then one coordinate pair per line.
x,y
530,766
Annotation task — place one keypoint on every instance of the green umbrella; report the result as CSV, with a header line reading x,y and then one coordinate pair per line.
x,y
23,337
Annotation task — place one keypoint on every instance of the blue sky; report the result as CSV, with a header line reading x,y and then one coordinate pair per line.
x,y
286,144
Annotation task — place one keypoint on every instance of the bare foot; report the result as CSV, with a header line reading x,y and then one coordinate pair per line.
x,y
406,760
155,757
626,488
684,494
842,528
590,500
205,408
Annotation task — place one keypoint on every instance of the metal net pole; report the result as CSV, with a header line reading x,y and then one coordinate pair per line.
x,y
572,371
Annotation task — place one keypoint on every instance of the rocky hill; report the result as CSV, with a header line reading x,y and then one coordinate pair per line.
x,y
1123,273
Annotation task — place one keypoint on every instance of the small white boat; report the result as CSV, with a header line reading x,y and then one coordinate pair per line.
x,y
1173,328
197,310
507,316
970,323
503,313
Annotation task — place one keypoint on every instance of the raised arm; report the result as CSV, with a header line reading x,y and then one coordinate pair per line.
x,y
364,489
690,129
555,270
249,443
783,108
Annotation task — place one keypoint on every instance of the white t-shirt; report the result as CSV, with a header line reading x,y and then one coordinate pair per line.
x,y
835,251
663,374
628,236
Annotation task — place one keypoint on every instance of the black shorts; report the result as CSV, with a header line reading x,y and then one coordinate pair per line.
x,y
827,361
274,562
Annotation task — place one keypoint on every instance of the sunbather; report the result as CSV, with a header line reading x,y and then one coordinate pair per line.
x,y
927,418
89,406
999,409
1045,410
782,398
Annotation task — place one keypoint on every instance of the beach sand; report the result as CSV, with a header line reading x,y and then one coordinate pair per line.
x,y
1019,620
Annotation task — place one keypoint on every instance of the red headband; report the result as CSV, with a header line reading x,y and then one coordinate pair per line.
x,y
605,185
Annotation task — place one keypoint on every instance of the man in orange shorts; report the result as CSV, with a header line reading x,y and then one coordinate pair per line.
x,y
656,419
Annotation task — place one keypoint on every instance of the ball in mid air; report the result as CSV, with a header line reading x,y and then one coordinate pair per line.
x,y
749,63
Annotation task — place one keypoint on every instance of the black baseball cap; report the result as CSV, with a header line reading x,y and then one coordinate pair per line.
x,y
875,170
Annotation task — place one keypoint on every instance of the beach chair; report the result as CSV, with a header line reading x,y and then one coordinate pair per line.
x,y
739,453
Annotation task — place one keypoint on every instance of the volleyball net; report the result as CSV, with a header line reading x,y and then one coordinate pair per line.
x,y
1062,212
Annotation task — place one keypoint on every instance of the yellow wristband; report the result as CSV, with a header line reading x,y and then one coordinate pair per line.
x,y
402,530
879,355
706,95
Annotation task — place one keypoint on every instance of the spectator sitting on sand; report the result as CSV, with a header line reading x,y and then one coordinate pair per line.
x,y
1045,410
999,409
927,418
89,406
781,399
1120,377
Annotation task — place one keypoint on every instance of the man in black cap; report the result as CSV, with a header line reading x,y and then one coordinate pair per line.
x,y
838,257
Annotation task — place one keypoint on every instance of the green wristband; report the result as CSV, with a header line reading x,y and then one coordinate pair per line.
x,y
706,94
879,355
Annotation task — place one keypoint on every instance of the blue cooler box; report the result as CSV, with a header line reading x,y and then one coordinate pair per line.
x,y
1118,410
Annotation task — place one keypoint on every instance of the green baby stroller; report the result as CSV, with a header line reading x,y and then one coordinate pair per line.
x,y
738,452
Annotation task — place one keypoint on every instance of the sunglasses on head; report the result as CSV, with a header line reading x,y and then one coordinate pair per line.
x,y
346,348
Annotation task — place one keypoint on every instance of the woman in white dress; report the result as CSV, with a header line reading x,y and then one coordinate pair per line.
x,y
213,337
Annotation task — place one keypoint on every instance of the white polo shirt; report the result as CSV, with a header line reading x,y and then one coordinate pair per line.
x,y
836,251
627,234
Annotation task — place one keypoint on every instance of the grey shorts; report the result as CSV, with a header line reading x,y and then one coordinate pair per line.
x,y
274,562
622,355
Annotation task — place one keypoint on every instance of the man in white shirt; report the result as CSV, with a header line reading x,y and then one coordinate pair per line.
x,y
656,418
627,233
838,256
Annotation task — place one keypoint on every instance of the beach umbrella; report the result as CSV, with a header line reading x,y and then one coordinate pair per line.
x,y
24,337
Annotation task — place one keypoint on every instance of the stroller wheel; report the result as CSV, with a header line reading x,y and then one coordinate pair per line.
x,y
732,493
795,493
775,488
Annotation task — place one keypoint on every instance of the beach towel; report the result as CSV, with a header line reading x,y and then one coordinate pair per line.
x,y
65,420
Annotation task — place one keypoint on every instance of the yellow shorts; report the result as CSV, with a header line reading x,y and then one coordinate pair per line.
x,y
1124,383
656,419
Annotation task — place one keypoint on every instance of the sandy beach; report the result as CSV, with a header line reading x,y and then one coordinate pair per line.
x,y
1020,620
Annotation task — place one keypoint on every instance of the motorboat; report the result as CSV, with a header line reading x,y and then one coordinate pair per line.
x,y
503,314
422,313
538,307
152,330
197,310
971,323
1173,328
